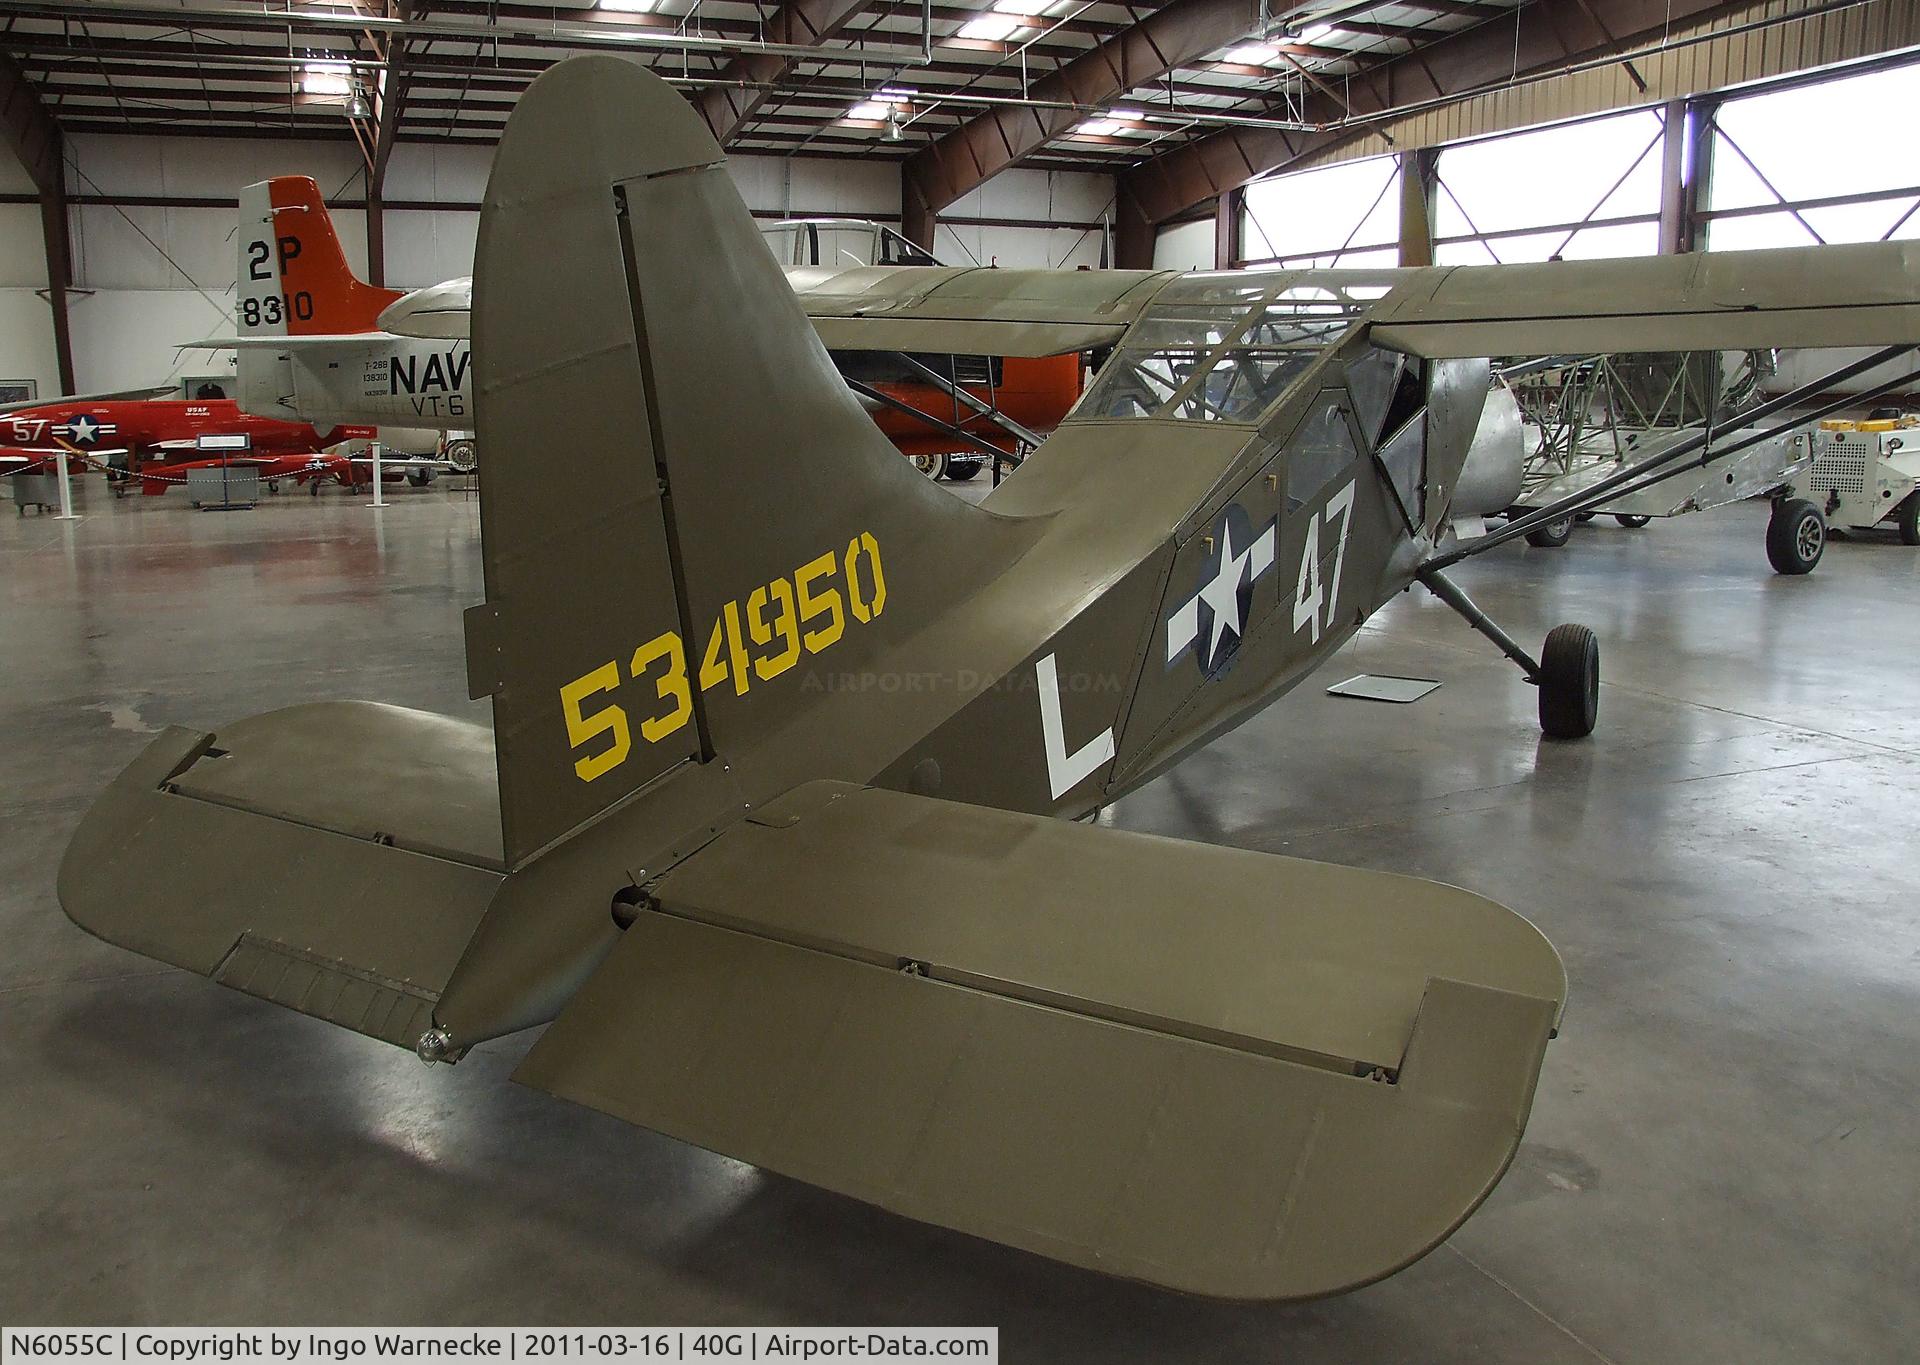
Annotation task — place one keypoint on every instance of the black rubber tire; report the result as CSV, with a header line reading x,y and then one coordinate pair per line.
x,y
1631,522
1796,536
419,480
1907,517
1552,535
1569,682
962,470
1583,517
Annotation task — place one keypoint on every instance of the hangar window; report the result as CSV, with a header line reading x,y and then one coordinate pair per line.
x,y
1777,170
1343,215
1573,191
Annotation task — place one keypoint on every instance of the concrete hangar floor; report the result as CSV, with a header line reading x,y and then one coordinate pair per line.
x,y
1723,1162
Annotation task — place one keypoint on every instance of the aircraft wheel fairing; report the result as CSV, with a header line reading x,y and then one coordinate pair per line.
x,y
1796,536
1569,682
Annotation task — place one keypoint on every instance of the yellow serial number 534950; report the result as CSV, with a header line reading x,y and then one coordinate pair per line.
x,y
804,611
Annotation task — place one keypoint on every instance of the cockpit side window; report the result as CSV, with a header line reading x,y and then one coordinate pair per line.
x,y
1226,348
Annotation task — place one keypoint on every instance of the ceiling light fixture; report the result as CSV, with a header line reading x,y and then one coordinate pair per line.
x,y
628,6
1313,33
1253,54
991,28
333,79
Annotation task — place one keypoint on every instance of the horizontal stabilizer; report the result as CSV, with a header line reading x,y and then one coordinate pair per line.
x,y
281,859
1223,1072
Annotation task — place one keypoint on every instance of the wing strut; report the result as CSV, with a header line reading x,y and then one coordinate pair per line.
x,y
1659,466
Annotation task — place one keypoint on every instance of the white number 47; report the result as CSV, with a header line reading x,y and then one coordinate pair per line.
x,y
1309,597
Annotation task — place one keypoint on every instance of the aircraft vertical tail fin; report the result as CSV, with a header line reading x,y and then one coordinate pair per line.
x,y
294,279
686,518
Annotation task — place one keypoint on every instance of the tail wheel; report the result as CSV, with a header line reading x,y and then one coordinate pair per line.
x,y
1569,682
1908,517
1552,535
1632,523
1796,536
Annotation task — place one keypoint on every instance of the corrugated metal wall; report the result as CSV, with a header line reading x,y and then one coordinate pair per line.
x,y
1844,35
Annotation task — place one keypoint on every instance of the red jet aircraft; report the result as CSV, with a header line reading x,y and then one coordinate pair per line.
x,y
133,436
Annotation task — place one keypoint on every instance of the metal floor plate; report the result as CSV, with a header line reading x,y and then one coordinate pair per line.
x,y
1380,687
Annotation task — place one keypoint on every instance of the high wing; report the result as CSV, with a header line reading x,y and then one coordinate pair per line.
x,y
972,308
1859,295
957,309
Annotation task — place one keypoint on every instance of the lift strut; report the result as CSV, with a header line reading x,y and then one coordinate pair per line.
x,y
1444,588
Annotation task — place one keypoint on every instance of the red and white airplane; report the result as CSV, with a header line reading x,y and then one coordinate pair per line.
x,y
157,440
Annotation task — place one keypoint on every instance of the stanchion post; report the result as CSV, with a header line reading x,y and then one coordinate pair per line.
x,y
378,501
66,490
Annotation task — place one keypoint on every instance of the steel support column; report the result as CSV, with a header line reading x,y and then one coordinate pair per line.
x,y
1227,212
1419,174
35,138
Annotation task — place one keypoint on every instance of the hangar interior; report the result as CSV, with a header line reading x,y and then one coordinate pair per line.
x,y
1720,1160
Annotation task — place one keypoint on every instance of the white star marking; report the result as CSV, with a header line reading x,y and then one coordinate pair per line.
x,y
1221,593
83,428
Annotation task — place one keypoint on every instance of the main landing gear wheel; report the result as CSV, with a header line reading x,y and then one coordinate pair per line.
x,y
962,470
1631,522
1567,671
1551,535
1569,682
1908,518
1583,517
463,455
1796,536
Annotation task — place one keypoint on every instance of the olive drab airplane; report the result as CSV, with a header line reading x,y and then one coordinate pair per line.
x,y
776,825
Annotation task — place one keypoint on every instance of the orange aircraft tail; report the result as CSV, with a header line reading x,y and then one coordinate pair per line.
x,y
294,279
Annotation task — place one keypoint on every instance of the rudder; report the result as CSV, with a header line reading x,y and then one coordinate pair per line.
x,y
747,524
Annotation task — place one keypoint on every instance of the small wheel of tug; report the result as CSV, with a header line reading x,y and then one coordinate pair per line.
x,y
1631,522
1552,535
1796,536
1569,682
1908,518
933,466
